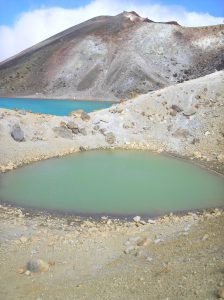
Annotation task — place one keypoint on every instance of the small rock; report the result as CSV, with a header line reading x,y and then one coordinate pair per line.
x,y
23,239
181,133
142,222
129,249
116,110
37,265
22,112
149,259
173,113
28,273
110,138
205,237
73,127
176,108
157,241
189,112
137,219
220,157
81,148
84,116
143,242
17,133
197,154
83,131
221,293
128,125
151,221
76,113
21,271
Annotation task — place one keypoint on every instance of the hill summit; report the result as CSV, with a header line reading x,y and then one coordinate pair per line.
x,y
113,57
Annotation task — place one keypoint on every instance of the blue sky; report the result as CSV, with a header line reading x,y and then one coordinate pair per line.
x,y
24,23
10,9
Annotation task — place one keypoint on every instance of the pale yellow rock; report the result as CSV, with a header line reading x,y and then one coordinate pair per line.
x,y
221,293
23,239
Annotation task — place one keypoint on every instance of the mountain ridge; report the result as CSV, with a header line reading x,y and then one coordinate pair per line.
x,y
113,57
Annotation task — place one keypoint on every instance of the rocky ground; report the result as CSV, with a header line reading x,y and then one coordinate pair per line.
x,y
52,257
44,256
185,120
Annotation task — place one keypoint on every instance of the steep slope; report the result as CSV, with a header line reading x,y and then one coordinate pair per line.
x,y
113,58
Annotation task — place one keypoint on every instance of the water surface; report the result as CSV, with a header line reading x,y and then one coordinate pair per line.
x,y
53,107
113,182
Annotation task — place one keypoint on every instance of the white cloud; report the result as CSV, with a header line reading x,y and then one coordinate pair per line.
x,y
34,26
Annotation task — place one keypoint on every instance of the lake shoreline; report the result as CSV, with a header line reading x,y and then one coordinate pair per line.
x,y
32,97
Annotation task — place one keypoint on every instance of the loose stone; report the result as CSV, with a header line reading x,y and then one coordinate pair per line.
x,y
143,242
17,133
110,138
137,219
151,221
37,265
84,116
176,108
221,293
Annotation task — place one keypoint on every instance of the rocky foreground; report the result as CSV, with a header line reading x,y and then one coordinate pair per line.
x,y
186,120
49,257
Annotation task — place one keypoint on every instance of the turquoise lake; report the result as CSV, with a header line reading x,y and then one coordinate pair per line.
x,y
53,107
115,182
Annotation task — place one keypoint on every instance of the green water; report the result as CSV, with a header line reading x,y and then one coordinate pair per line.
x,y
113,182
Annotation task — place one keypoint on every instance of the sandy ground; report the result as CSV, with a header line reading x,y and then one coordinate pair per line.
x,y
174,258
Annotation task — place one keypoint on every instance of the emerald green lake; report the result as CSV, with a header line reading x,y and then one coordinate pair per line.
x,y
113,183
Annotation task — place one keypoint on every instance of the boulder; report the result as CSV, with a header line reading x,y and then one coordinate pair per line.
x,y
17,133
73,127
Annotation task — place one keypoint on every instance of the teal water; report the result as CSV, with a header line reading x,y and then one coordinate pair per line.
x,y
113,182
53,107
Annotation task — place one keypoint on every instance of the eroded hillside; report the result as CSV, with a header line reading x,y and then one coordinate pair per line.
x,y
113,58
